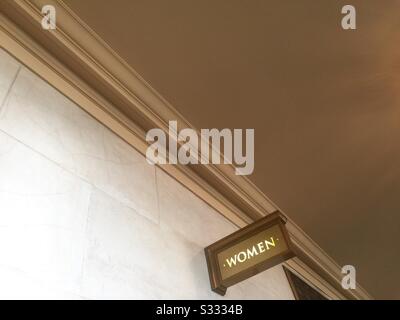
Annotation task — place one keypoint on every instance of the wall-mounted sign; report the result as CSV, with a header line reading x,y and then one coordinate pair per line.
x,y
250,250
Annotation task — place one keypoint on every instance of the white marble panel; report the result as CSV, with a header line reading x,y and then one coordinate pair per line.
x,y
42,118
17,285
43,214
131,257
270,284
188,215
8,70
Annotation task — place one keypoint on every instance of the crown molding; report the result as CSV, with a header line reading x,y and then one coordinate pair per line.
x,y
90,73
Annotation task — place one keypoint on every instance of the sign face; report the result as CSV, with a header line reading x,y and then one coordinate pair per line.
x,y
250,252
253,249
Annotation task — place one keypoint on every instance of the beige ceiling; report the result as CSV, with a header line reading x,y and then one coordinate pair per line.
x,y
325,104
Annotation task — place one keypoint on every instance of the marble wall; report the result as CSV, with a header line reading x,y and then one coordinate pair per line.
x,y
84,216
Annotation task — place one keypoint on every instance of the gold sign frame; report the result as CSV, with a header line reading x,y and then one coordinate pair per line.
x,y
221,279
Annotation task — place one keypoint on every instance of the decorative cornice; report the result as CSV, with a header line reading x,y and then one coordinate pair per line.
x,y
131,107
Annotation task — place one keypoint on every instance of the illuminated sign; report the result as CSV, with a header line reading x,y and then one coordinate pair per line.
x,y
251,250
